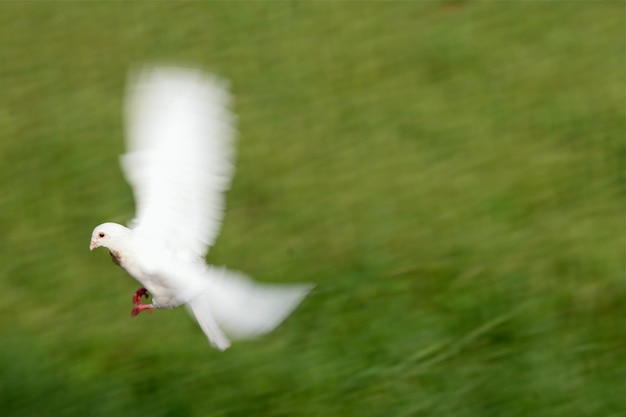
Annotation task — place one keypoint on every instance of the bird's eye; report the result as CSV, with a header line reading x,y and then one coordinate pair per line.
x,y
101,234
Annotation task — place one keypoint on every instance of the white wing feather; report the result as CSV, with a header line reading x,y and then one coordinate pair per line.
x,y
234,305
179,158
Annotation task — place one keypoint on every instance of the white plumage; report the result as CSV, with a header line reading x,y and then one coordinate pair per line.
x,y
180,161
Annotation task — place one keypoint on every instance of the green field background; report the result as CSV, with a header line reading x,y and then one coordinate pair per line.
x,y
449,174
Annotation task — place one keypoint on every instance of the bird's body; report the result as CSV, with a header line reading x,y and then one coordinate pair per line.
x,y
179,163
170,281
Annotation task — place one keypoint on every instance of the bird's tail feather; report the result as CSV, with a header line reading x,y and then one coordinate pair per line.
x,y
236,306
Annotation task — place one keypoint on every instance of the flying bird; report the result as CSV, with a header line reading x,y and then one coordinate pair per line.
x,y
179,163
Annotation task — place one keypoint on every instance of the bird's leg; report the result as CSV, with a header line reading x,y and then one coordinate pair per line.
x,y
139,308
141,292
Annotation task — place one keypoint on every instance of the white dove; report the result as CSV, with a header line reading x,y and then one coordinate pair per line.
x,y
179,162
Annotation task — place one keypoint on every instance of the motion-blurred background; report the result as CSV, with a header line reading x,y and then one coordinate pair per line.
x,y
450,174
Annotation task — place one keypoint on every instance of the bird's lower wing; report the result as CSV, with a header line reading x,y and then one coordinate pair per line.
x,y
202,312
236,306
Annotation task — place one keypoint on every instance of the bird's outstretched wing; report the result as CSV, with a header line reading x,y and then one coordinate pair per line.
x,y
233,305
180,152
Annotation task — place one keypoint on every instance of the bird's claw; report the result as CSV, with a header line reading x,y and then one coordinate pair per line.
x,y
139,308
141,292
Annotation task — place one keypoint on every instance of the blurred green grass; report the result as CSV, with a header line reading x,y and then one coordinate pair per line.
x,y
450,174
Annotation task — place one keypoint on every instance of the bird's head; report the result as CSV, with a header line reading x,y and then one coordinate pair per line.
x,y
107,235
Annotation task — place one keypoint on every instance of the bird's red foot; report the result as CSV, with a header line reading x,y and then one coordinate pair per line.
x,y
141,292
139,308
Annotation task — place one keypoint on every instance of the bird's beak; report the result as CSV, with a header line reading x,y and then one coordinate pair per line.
x,y
93,245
